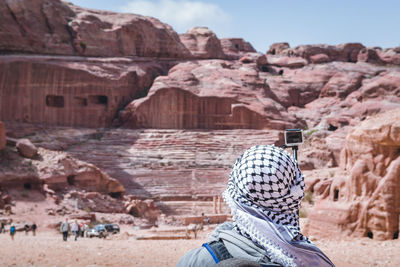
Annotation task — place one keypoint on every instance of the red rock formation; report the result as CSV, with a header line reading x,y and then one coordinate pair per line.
x,y
288,62
26,148
235,47
369,55
390,55
202,43
366,203
51,90
278,48
57,27
2,135
208,95
319,53
55,170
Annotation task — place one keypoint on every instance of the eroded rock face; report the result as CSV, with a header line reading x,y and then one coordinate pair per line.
x,y
202,43
234,48
2,135
319,53
213,94
52,170
57,27
366,203
49,89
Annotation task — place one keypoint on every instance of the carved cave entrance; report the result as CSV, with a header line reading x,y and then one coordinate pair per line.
x,y
71,179
55,101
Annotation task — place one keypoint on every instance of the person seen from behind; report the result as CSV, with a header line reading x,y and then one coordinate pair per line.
x,y
33,227
264,193
12,231
64,228
26,228
75,229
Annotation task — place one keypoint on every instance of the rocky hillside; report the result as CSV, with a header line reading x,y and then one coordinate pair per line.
x,y
165,115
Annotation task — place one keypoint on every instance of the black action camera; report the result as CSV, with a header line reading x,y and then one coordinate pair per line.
x,y
293,137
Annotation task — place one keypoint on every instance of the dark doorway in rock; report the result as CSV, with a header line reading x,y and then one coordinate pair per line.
x,y
280,72
55,101
396,235
98,99
80,101
71,179
332,128
335,194
237,46
264,68
370,235
116,194
28,186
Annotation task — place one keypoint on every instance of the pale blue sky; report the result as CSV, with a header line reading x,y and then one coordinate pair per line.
x,y
263,22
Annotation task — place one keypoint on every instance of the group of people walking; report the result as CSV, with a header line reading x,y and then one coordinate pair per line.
x,y
13,229
78,229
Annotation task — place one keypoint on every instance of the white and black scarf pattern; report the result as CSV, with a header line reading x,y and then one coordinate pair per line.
x,y
264,192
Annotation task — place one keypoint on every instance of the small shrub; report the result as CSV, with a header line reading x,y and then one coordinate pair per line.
x,y
308,197
83,46
310,132
303,213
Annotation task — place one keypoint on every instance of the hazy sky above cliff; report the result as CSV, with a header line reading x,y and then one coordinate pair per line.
x,y
263,22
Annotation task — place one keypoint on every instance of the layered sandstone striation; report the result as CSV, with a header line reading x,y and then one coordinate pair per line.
x,y
72,91
58,27
365,202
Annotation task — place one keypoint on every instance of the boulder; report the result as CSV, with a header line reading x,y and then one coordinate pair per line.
x,y
285,61
369,55
202,43
3,140
26,148
259,59
145,209
234,48
278,48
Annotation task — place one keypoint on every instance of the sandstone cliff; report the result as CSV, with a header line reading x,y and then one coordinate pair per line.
x,y
58,27
365,203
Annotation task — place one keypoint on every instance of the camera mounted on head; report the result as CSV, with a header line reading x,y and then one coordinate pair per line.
x,y
293,138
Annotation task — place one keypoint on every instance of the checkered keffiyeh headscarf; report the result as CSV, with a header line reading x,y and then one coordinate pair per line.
x,y
264,192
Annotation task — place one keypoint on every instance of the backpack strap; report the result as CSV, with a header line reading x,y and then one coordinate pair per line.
x,y
219,253
218,250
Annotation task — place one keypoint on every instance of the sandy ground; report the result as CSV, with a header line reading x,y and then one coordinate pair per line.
x,y
48,249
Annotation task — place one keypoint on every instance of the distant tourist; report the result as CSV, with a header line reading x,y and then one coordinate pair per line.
x,y
64,228
75,229
26,228
33,227
264,192
206,219
12,231
2,227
